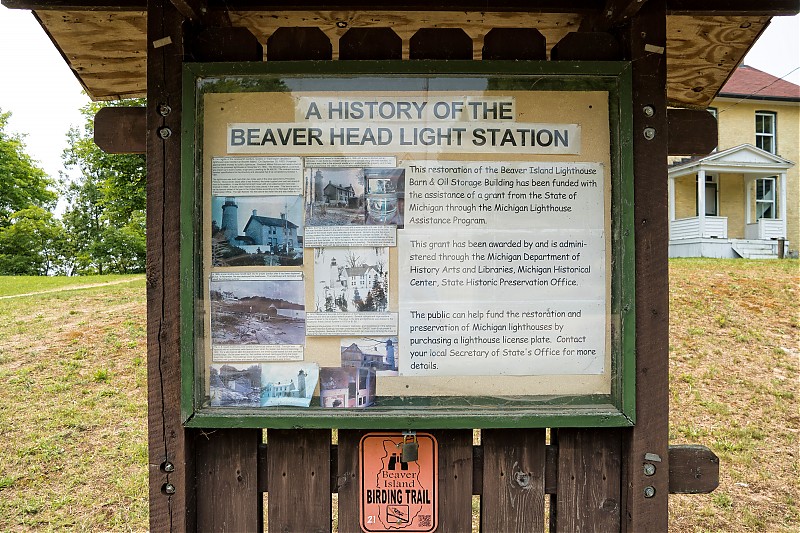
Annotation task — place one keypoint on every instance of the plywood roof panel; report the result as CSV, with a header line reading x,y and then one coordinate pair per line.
x,y
107,49
702,52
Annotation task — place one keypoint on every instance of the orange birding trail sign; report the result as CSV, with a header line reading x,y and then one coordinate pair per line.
x,y
397,495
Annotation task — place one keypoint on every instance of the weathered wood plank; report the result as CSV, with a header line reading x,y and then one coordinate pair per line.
x,y
645,500
613,14
370,44
347,480
299,480
587,46
514,43
588,493
231,43
171,455
227,480
440,43
701,7
192,10
299,44
692,470
513,480
691,132
455,479
703,52
121,130
772,8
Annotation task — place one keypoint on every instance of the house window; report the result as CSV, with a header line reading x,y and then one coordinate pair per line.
x,y
765,198
765,131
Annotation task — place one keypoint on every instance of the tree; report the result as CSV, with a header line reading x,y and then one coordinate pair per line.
x,y
30,237
105,218
379,294
31,243
22,183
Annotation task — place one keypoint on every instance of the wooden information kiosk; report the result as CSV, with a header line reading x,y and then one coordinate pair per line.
x,y
406,223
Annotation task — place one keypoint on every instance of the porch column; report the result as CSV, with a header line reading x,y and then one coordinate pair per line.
x,y
671,184
782,203
748,202
701,202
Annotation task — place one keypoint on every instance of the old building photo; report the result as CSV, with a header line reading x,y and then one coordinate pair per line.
x,y
257,230
257,312
346,387
334,196
377,353
351,279
288,383
235,385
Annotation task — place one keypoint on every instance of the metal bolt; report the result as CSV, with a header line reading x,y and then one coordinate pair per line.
x,y
341,24
168,467
649,469
168,488
649,110
164,133
649,133
649,491
164,110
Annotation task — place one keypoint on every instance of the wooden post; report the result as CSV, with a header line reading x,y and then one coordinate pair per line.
x,y
645,497
171,454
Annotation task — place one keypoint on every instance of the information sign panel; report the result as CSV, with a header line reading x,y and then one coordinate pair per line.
x,y
409,244
396,495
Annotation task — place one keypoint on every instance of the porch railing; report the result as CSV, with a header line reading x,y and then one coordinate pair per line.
x,y
765,228
689,228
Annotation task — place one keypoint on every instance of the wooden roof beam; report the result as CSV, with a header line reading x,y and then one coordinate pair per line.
x,y
615,13
547,6
192,10
733,8
674,7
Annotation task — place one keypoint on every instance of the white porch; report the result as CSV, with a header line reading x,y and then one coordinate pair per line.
x,y
757,178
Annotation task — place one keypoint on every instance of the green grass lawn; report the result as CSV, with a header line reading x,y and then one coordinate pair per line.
x,y
73,428
12,285
73,409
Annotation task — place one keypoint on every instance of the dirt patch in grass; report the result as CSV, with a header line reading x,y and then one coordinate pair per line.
x,y
734,385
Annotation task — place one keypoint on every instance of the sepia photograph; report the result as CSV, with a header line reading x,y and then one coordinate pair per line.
x,y
235,385
262,311
257,230
377,353
346,387
334,196
351,280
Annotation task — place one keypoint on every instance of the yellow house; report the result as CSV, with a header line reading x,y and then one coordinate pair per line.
x,y
749,187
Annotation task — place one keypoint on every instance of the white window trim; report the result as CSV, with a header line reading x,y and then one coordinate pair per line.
x,y
773,121
773,201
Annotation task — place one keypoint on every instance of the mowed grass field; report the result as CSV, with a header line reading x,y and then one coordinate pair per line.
x,y
73,401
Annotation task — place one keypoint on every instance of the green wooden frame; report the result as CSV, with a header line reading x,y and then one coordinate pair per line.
x,y
615,409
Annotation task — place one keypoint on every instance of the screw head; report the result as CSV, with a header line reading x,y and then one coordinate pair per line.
x,y
167,466
649,133
649,491
341,24
649,110
168,489
164,133
649,469
164,110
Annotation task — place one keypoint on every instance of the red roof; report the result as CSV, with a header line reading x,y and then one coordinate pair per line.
x,y
747,81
